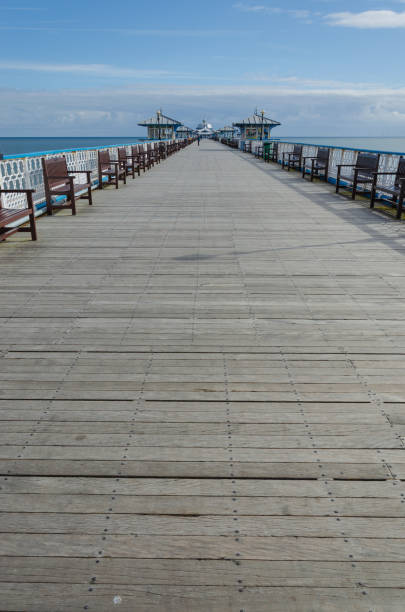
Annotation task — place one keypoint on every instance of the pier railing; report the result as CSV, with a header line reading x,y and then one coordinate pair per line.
x,y
25,171
388,161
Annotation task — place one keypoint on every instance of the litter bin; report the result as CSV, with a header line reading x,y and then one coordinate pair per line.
x,y
267,150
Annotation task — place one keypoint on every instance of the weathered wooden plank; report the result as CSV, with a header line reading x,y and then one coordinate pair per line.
x,y
70,598
356,527
381,441
194,469
200,505
236,547
203,487
201,572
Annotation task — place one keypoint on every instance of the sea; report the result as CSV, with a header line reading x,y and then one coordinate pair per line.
x,y
21,145
15,146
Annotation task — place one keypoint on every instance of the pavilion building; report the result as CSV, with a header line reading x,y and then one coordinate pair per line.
x,y
184,132
161,127
204,129
256,127
227,132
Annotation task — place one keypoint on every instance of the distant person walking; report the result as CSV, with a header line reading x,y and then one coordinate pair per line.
x,y
198,139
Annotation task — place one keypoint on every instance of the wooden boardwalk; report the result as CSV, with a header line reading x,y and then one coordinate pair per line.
x,y
202,399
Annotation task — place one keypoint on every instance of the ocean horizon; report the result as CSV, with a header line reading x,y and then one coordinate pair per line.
x,y
23,145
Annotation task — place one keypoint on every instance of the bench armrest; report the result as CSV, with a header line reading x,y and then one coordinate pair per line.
x,y
79,171
383,173
17,190
345,165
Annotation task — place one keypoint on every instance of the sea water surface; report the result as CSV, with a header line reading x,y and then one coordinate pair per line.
x,y
21,145
15,146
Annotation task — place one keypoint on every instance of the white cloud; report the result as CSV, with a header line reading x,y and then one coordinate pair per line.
x,y
256,8
271,10
368,19
325,108
103,70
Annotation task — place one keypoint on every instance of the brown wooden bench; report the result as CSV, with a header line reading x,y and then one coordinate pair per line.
x,y
114,170
142,157
131,162
151,155
396,190
162,150
11,215
58,182
293,159
363,172
319,164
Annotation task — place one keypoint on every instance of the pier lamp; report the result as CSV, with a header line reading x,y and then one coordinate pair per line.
x,y
158,113
262,114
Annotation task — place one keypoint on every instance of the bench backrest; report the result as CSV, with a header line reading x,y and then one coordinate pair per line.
x,y
104,158
297,150
368,161
400,172
122,153
54,167
323,155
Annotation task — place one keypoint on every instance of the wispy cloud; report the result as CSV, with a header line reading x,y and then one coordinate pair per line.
x,y
170,33
271,10
320,110
103,70
367,19
256,8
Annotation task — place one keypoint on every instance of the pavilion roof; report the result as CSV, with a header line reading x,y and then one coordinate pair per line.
x,y
255,120
160,120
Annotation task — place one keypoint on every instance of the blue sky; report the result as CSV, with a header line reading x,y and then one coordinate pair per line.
x,y
320,67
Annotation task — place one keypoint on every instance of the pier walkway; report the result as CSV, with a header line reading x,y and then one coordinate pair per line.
x,y
202,398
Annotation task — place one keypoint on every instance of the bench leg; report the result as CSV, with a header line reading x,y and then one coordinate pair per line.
x,y
372,195
49,206
399,208
73,203
337,181
354,190
90,196
33,228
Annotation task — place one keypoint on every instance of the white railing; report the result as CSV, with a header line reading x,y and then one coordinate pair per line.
x,y
25,172
388,161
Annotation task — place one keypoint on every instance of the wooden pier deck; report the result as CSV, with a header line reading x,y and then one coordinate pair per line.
x,y
202,399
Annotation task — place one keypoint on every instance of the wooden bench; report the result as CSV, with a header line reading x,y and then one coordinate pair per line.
x,y
162,150
130,162
11,215
396,190
59,182
114,170
151,154
319,164
142,157
293,159
363,172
